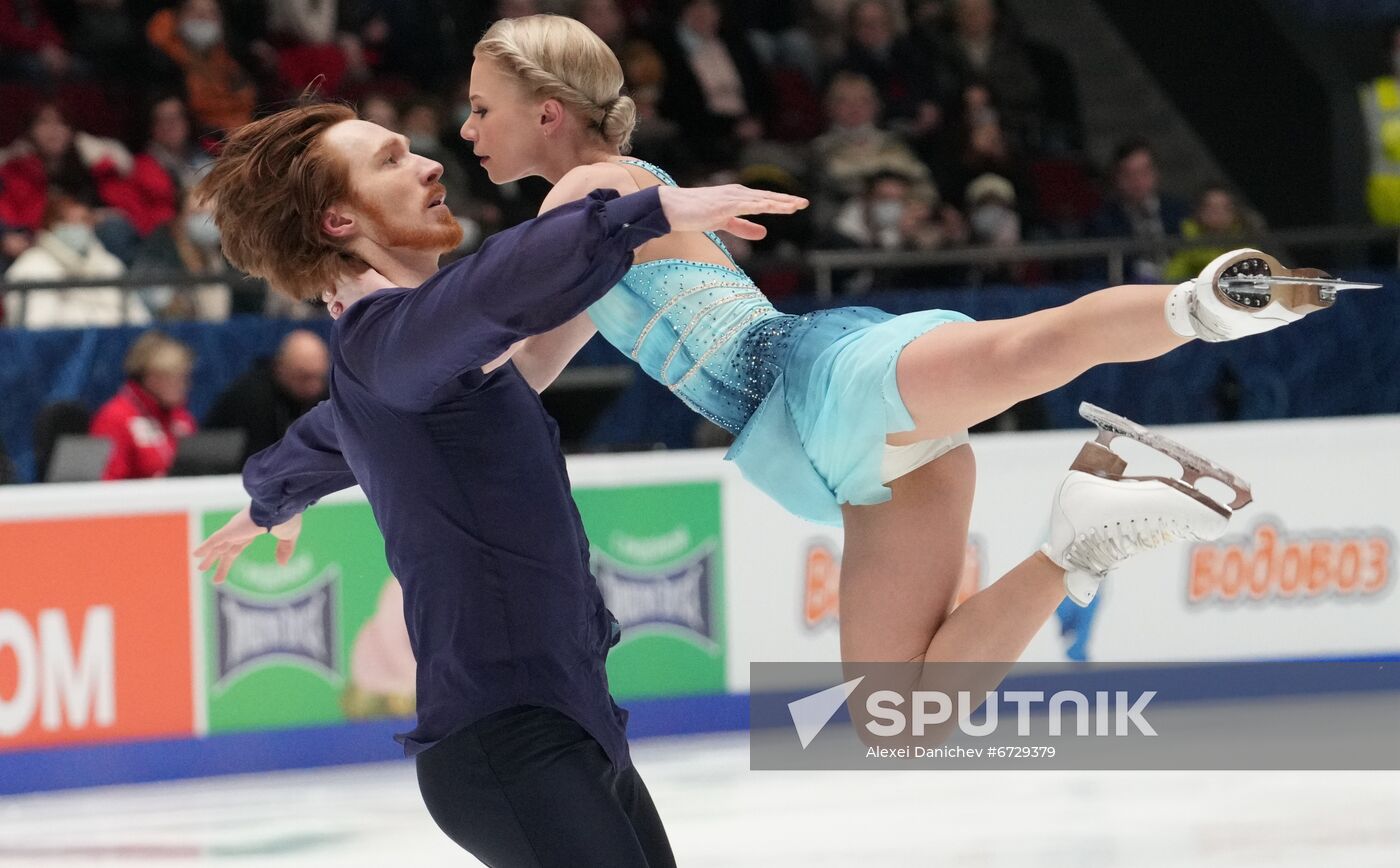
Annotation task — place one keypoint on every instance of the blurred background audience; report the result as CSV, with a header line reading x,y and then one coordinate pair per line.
x,y
67,248
147,417
275,392
914,126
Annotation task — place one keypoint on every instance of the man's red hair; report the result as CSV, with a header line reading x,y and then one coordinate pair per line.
x,y
270,188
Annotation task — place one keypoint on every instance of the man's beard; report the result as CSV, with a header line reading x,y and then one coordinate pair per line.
x,y
438,236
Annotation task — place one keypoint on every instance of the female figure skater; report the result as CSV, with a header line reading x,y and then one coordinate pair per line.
x,y
856,416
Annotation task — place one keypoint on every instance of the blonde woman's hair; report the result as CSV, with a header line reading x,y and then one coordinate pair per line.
x,y
155,351
559,58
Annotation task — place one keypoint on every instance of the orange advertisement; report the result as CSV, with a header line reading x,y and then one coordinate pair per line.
x,y
1276,564
94,630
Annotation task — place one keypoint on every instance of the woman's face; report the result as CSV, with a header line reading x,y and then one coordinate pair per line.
x,y
168,379
504,126
1217,212
50,133
170,126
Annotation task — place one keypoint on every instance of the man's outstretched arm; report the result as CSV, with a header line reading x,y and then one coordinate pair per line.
x,y
282,480
524,281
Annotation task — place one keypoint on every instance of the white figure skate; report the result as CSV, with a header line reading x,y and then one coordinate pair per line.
x,y
1246,292
1101,517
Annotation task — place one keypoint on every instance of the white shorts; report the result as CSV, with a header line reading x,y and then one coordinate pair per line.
x,y
899,460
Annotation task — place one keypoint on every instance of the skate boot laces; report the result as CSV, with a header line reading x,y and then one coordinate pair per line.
x,y
1100,549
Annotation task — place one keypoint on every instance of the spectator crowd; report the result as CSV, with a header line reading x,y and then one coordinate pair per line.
x,y
912,124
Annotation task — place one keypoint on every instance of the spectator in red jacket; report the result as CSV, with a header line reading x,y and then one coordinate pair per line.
x,y
52,157
170,165
147,416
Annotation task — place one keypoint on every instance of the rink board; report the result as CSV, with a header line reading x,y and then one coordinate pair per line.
x,y
119,661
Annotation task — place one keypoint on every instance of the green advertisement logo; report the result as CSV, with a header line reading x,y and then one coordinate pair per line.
x,y
287,646
323,640
658,557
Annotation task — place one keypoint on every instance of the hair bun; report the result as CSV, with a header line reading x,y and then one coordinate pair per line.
x,y
619,119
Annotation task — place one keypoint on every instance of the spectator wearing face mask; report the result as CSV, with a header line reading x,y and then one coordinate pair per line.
x,y
53,158
992,216
67,248
993,221
187,245
893,213
148,416
191,38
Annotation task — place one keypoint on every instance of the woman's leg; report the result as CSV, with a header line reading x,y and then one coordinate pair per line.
x,y
900,571
964,373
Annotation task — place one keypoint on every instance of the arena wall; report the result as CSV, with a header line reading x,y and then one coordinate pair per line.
x,y
120,661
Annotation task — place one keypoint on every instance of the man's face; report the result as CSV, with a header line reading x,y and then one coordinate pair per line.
x,y
504,124
1137,177
301,371
395,197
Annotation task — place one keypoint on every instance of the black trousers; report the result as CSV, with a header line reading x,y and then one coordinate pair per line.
x,y
529,788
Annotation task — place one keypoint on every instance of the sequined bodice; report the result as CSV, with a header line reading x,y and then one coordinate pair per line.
x,y
704,331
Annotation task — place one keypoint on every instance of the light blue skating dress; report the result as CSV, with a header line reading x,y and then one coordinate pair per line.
x,y
810,398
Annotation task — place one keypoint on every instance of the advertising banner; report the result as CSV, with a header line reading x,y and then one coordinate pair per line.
x,y
290,645
322,639
94,630
658,555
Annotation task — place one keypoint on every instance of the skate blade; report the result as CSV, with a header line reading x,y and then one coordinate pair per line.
x,y
1254,280
1328,287
1193,465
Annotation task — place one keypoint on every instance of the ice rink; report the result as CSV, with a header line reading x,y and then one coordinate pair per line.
x,y
722,815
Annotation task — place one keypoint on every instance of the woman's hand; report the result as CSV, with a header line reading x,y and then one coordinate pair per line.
x,y
711,209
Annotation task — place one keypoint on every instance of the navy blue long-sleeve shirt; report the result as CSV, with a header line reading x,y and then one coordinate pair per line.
x,y
464,473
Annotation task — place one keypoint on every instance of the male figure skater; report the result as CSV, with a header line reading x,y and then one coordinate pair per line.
x,y
521,754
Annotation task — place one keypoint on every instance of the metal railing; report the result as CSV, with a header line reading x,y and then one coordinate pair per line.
x,y
1113,253
181,282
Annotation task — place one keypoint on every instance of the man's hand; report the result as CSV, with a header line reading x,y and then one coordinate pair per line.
x,y
228,542
711,209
